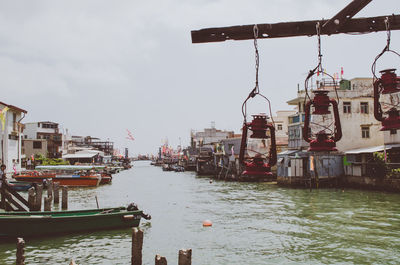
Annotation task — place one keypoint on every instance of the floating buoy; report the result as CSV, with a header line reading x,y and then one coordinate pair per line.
x,y
211,181
207,223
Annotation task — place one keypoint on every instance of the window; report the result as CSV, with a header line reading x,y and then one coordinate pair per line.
x,y
37,145
364,107
346,107
279,127
365,132
393,131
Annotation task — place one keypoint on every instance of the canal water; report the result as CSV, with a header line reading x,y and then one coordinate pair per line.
x,y
253,223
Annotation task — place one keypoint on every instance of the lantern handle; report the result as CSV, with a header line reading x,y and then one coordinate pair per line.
x,y
252,94
386,49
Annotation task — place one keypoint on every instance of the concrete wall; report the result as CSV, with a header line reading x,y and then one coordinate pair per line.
x,y
28,149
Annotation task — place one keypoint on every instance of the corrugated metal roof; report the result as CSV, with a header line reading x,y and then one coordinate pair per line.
x,y
371,149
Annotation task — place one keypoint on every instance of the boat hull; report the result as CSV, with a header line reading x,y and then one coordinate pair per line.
x,y
63,181
36,224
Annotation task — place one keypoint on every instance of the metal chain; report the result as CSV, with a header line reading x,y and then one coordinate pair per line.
x,y
387,25
318,29
256,90
257,57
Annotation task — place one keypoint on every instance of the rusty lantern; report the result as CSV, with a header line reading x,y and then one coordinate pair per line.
x,y
259,148
387,100
323,132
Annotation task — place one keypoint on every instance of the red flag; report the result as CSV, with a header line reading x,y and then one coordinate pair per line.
x,y
341,71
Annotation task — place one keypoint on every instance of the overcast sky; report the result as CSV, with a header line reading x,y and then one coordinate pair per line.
x,y
100,67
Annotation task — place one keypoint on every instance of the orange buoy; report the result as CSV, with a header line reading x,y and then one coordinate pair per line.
x,y
207,223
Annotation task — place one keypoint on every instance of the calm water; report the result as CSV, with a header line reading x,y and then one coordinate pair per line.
x,y
252,224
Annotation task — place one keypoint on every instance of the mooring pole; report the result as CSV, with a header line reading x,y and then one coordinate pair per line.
x,y
64,202
185,257
20,251
137,244
160,260
56,191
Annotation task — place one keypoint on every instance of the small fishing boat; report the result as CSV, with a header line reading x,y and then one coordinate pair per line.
x,y
35,224
63,180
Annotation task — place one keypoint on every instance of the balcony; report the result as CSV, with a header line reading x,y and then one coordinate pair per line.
x,y
296,118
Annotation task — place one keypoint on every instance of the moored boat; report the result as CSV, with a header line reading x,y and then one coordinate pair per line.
x,y
63,180
34,224
19,185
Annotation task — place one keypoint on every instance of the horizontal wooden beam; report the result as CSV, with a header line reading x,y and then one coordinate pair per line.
x,y
341,18
292,29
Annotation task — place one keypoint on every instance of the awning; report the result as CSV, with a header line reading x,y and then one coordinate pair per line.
x,y
85,155
288,152
372,149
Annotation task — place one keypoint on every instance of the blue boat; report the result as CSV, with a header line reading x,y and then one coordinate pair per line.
x,y
20,185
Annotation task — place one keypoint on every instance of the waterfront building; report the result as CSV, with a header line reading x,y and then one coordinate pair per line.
x,y
209,136
86,155
106,147
49,131
10,135
281,121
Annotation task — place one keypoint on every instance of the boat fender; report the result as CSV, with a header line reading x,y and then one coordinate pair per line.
x,y
128,217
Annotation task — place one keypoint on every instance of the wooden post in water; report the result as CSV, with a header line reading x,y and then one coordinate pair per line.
x,y
47,203
64,202
185,257
56,191
137,244
39,193
160,260
49,188
20,251
31,199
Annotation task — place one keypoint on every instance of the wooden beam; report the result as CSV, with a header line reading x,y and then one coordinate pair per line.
x,y
340,19
292,29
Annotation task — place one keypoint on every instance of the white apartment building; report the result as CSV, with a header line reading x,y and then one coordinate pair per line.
x,y
10,136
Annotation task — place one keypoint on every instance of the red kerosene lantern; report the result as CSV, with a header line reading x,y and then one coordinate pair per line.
x,y
387,100
323,132
259,149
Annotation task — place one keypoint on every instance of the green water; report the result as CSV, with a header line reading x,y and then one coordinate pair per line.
x,y
252,223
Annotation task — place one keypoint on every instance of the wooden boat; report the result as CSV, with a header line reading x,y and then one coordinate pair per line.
x,y
34,224
19,185
91,170
64,180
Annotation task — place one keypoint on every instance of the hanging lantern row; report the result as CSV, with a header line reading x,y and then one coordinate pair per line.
x,y
322,129
258,144
387,91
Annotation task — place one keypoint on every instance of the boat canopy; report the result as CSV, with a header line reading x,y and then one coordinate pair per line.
x,y
71,167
